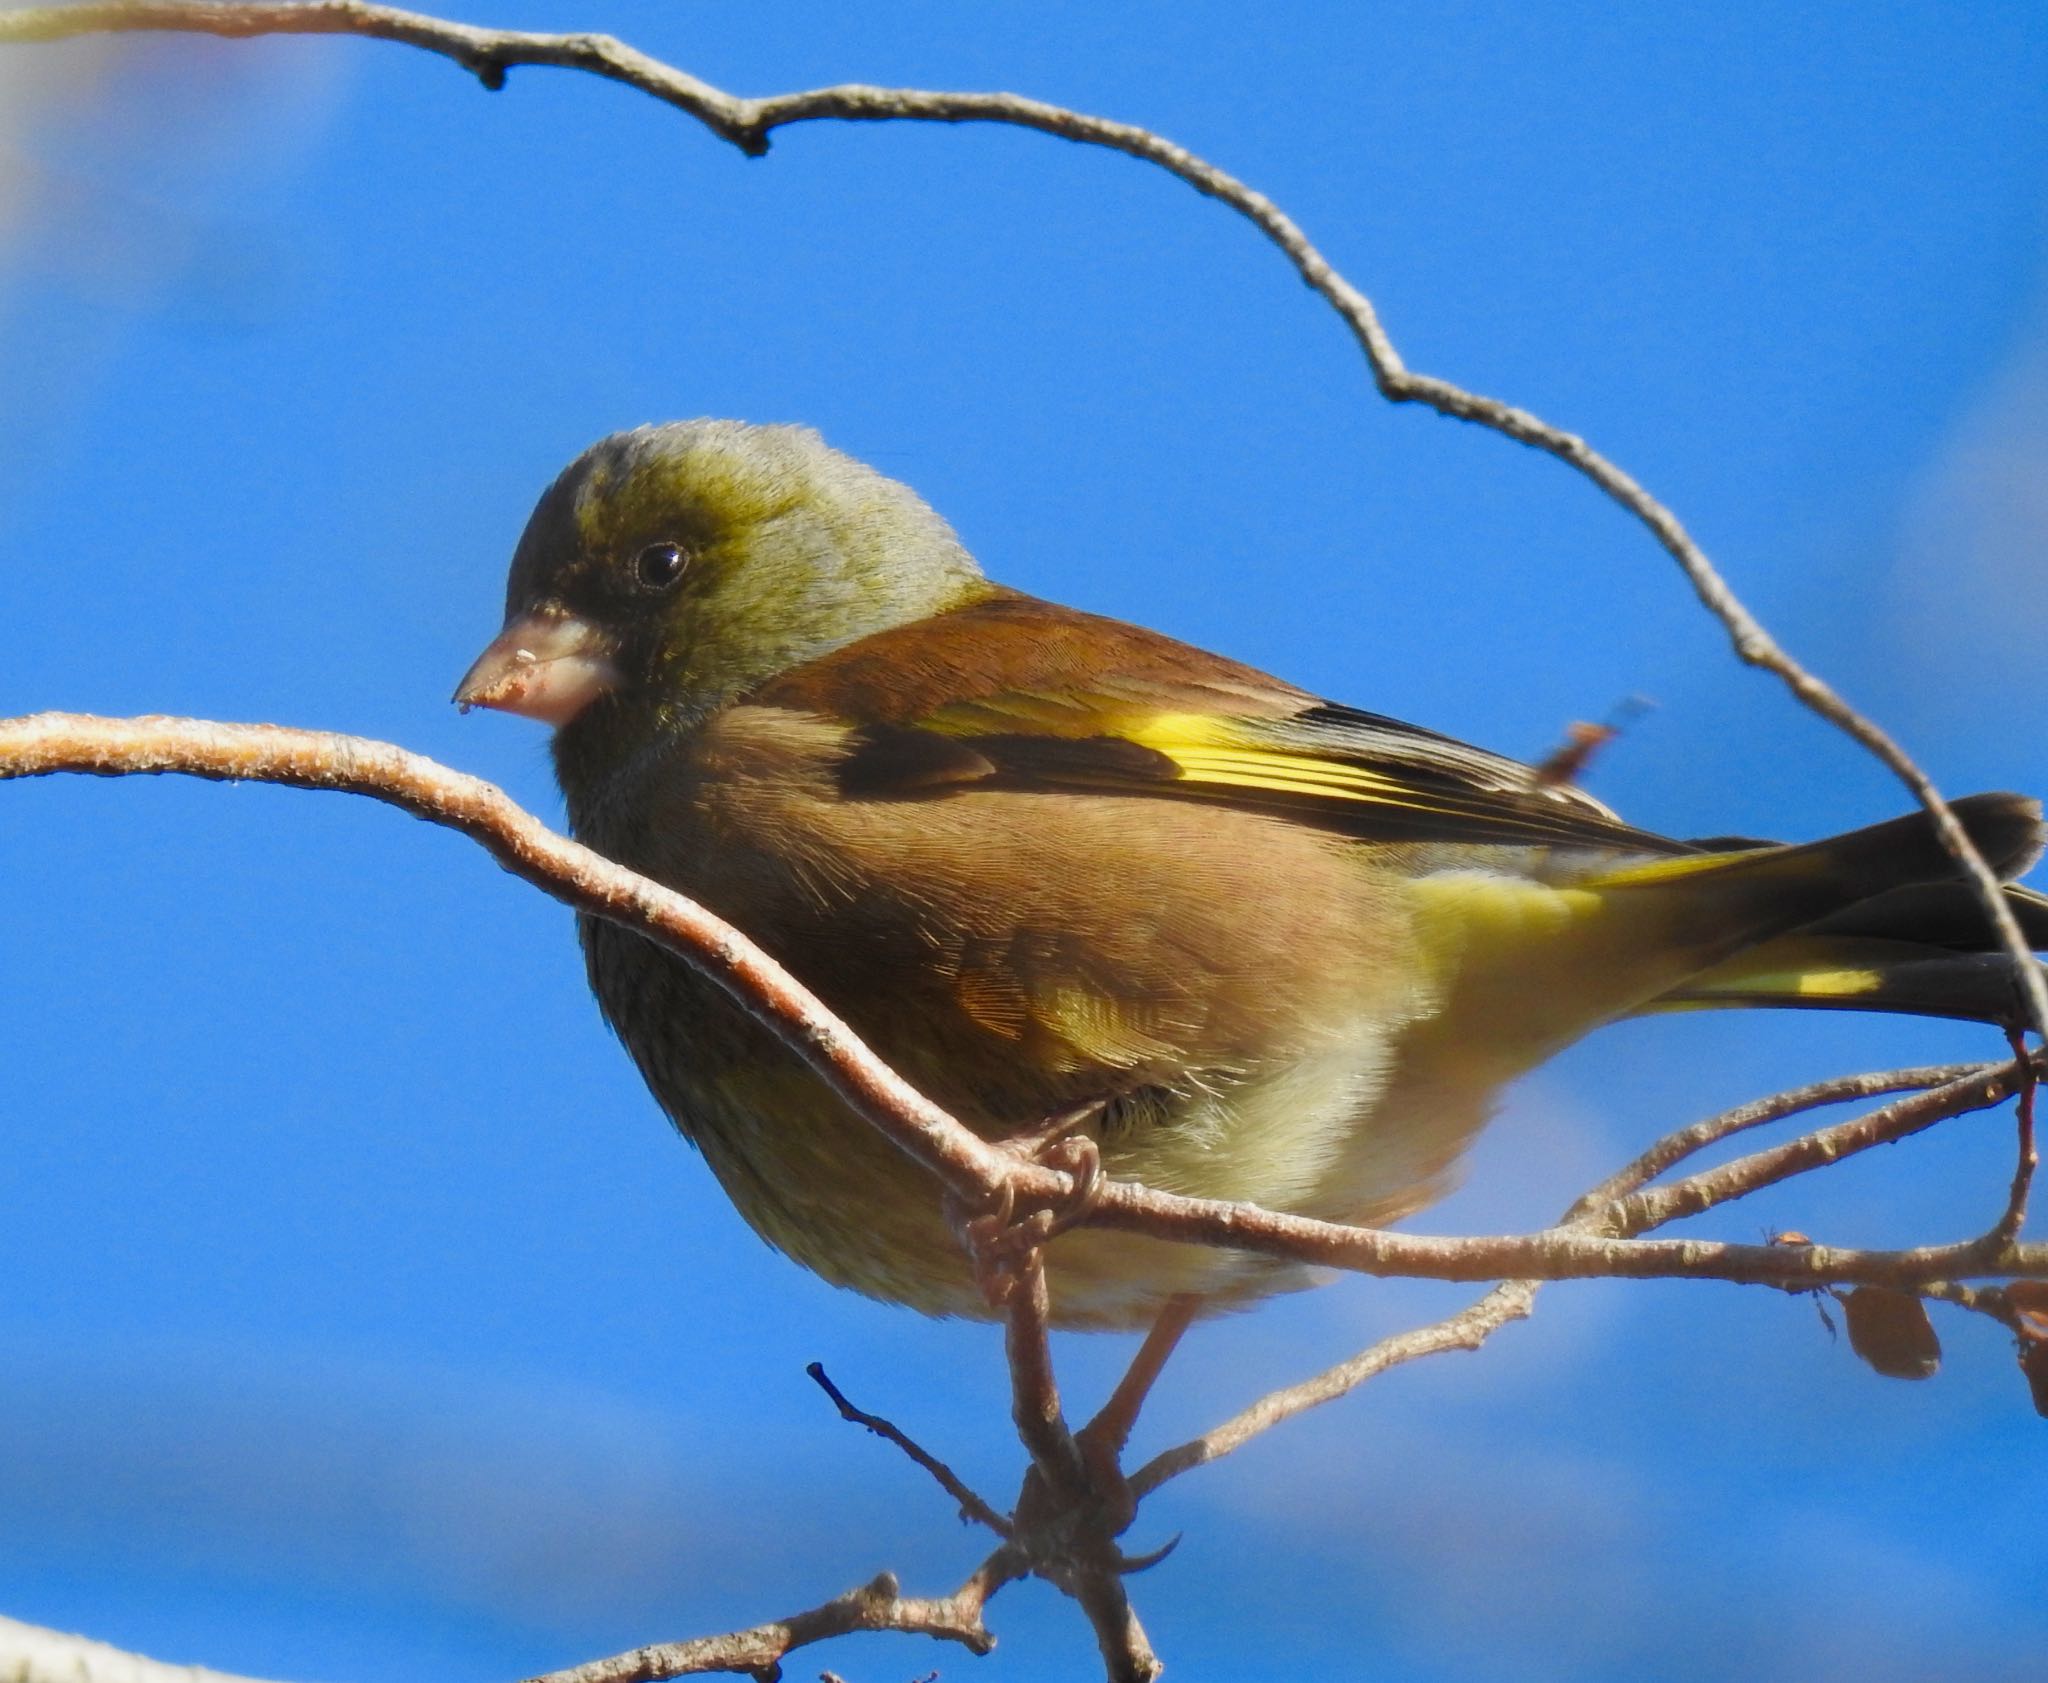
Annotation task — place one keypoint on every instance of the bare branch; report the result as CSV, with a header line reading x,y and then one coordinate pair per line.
x,y
1061,1526
1467,1330
748,123
1102,1440
2014,1216
1978,1090
1675,1147
1610,1207
43,743
1556,1254
972,1506
876,1605
31,1654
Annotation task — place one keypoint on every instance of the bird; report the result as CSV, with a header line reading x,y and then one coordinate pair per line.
x,y
1254,944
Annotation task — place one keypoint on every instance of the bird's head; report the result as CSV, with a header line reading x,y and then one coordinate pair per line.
x,y
672,568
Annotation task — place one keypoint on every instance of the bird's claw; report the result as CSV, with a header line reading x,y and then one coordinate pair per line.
x,y
994,1235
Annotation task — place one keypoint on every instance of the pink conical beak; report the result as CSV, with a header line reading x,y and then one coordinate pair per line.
x,y
543,665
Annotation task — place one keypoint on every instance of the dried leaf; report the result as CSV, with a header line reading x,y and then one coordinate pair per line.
x,y
1890,1330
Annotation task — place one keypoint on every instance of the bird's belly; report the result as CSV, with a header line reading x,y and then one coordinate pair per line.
x,y
967,941
826,1188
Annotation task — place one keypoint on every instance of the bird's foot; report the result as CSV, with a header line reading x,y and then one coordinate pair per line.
x,y
996,1235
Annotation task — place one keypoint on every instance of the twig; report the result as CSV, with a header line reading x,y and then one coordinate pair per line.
x,y
1467,1330
2027,1158
748,123
1102,1440
1061,1526
1990,1301
1675,1147
43,743
972,1506
1977,1090
876,1605
1034,1391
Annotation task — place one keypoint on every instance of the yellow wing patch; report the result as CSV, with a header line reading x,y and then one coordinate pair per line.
x,y
1219,751
1355,774
1212,750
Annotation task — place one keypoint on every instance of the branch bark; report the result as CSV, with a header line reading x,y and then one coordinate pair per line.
x,y
32,1654
877,1605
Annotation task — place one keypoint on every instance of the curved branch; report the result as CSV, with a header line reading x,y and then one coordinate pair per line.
x,y
46,743
748,123
1976,1089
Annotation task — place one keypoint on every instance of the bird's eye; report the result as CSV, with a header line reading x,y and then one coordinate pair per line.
x,y
659,565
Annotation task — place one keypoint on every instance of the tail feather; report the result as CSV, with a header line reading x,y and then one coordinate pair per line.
x,y
1914,944
1859,865
1944,914
1859,974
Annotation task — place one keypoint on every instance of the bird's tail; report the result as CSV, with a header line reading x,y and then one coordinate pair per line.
x,y
1921,948
1875,919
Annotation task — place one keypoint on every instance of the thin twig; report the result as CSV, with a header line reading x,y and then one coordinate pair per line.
x,y
876,1605
2026,1157
1060,1522
1611,1207
1980,1088
972,1506
45,743
1466,1330
1102,1440
1675,1147
748,123
1990,1301
1034,1391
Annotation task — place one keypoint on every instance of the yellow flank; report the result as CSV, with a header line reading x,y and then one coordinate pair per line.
x,y
1482,914
1513,908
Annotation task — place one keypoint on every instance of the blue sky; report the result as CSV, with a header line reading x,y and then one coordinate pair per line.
x,y
359,1316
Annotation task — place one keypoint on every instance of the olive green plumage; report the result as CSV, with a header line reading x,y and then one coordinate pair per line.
x,y
1040,859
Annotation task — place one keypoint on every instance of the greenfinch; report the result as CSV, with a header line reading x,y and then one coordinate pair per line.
x,y
1269,947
